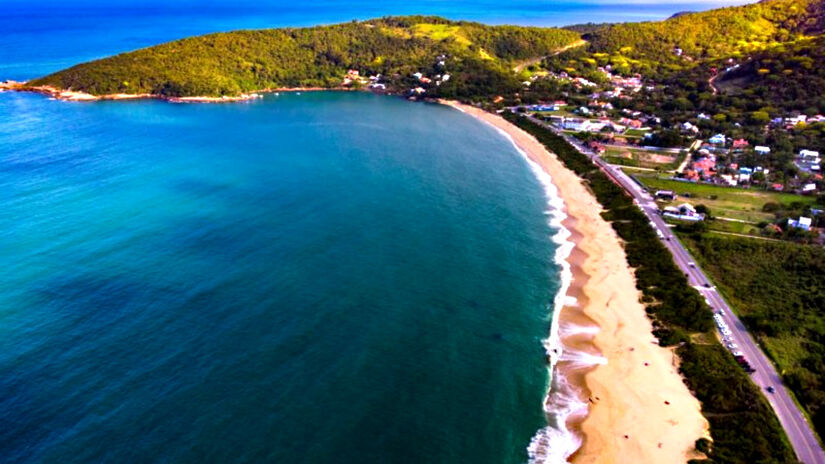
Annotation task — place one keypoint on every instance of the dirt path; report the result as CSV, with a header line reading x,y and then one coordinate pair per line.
x,y
519,67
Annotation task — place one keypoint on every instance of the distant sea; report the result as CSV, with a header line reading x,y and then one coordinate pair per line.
x,y
315,278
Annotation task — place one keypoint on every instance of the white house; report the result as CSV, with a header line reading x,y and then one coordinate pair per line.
x,y
762,150
684,212
576,124
803,223
717,139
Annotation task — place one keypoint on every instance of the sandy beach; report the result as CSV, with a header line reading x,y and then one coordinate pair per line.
x,y
640,411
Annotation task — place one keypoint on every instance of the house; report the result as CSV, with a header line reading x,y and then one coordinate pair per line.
x,y
801,119
634,123
576,124
584,82
596,147
808,160
702,116
777,187
729,180
543,108
803,223
718,139
745,174
684,212
808,188
762,150
705,166
669,195
556,120
688,127
740,144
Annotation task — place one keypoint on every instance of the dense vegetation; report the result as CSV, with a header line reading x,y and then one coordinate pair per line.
x,y
779,290
784,78
742,424
772,48
721,33
478,57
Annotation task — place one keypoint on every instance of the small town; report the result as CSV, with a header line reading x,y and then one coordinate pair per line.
x,y
738,186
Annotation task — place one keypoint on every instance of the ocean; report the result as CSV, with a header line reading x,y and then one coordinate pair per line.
x,y
305,278
325,277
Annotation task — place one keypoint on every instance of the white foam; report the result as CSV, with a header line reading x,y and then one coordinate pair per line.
x,y
555,443
575,329
582,359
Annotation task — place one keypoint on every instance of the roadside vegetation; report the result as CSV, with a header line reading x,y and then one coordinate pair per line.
x,y
742,424
778,289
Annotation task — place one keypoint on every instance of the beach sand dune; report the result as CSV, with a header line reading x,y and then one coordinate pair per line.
x,y
640,409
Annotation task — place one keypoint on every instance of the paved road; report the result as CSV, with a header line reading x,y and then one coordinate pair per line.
x,y
799,432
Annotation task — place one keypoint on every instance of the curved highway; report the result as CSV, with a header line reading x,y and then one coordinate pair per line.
x,y
801,435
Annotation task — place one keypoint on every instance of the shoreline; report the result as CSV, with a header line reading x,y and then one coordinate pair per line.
x,y
72,96
618,393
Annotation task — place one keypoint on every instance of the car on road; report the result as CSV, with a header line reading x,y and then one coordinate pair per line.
x,y
707,285
692,264
771,389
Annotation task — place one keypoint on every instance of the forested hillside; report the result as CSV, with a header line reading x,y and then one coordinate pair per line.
x,y
231,63
726,32
786,77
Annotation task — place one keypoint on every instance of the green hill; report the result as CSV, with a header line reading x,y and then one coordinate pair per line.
x,y
789,77
478,57
727,32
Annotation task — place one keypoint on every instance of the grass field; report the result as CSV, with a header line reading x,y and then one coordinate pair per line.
x,y
642,158
562,112
728,202
635,133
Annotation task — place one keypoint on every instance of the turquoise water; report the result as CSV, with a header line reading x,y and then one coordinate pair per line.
x,y
324,278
